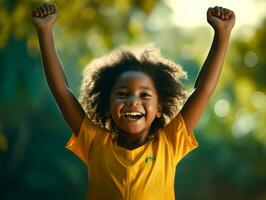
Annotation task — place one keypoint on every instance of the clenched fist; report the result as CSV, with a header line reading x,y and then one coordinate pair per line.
x,y
221,19
45,16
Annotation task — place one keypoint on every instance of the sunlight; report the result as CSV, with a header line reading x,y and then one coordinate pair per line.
x,y
222,108
191,13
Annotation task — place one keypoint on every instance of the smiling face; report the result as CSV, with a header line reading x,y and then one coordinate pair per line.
x,y
134,103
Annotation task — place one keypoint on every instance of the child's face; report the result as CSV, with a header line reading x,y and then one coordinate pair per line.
x,y
134,102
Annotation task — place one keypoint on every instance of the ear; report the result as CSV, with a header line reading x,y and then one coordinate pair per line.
x,y
159,111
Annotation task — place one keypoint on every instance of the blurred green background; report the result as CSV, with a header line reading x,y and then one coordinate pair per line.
x,y
231,160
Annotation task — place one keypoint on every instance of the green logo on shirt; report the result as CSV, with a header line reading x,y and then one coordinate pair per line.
x,y
150,158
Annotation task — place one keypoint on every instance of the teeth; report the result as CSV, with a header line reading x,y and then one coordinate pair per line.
x,y
133,113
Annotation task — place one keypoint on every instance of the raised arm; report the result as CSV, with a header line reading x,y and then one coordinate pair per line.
x,y
222,20
43,19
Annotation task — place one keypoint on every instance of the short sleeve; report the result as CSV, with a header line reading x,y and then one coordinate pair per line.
x,y
181,141
81,143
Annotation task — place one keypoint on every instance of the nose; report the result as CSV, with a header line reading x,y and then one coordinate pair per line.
x,y
133,101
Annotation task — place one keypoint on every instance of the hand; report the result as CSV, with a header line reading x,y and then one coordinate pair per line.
x,y
221,19
45,16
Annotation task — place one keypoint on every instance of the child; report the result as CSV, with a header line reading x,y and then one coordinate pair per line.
x,y
120,130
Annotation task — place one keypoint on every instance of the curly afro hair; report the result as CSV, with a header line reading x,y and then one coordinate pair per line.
x,y
101,74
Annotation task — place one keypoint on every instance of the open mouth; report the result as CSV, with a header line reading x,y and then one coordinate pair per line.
x,y
133,115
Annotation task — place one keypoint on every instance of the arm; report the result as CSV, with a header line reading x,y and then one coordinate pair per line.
x,y
222,20
43,20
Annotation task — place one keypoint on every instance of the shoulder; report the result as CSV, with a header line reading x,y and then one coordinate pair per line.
x,y
177,123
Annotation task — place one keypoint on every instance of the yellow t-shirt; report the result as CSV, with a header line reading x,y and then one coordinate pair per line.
x,y
146,172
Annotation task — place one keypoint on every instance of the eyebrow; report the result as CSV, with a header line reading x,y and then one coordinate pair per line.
x,y
123,87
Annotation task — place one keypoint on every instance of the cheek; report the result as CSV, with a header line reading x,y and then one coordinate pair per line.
x,y
151,107
116,106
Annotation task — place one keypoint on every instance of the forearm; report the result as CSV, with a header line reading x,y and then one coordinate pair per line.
x,y
210,72
53,69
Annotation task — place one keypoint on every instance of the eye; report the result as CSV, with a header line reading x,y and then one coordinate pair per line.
x,y
145,95
121,94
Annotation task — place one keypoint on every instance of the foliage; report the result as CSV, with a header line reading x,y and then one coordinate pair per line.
x,y
33,161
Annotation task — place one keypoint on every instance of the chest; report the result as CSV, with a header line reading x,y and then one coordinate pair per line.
x,y
150,162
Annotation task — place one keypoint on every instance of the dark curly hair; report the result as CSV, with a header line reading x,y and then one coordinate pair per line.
x,y
101,74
